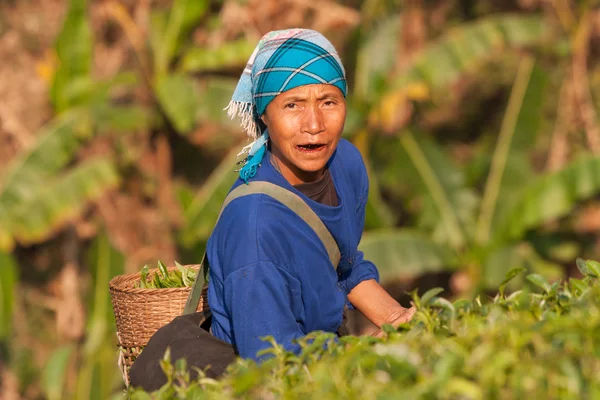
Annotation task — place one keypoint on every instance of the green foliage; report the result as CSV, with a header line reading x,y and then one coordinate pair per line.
x,y
534,343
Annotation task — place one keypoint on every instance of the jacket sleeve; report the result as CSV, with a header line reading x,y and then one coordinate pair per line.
x,y
357,269
260,298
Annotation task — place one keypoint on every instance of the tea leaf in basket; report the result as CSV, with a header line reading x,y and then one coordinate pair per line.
x,y
143,284
163,269
184,274
157,282
177,278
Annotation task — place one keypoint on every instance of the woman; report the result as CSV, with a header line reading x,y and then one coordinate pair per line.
x,y
270,274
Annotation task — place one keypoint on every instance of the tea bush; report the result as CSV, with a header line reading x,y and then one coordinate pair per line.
x,y
542,342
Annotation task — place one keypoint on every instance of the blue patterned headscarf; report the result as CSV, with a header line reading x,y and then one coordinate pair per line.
x,y
282,60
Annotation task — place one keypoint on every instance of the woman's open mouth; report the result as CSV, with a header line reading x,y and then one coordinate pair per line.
x,y
311,148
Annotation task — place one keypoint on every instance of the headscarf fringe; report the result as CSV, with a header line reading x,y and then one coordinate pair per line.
x,y
245,113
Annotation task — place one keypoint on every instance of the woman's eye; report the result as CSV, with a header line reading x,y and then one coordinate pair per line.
x,y
290,105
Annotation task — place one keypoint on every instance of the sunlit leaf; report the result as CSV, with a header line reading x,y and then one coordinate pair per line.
x,y
430,294
539,281
509,277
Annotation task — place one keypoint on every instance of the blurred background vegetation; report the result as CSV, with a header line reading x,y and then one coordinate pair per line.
x,y
478,120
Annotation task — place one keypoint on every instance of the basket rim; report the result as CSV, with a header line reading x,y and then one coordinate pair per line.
x,y
123,282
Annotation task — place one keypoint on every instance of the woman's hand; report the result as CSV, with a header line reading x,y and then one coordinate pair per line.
x,y
398,318
378,306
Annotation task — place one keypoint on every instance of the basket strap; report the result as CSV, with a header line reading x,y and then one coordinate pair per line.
x,y
287,198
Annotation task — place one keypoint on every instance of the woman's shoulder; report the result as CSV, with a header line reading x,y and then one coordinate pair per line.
x,y
252,213
350,161
348,155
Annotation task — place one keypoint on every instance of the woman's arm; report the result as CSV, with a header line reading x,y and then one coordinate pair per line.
x,y
378,306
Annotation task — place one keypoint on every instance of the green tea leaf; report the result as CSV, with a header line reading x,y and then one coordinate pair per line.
x,y
163,269
588,268
509,277
430,294
539,281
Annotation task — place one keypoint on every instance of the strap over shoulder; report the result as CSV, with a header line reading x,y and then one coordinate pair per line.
x,y
287,198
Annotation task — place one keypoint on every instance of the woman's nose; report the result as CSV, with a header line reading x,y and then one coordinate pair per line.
x,y
314,122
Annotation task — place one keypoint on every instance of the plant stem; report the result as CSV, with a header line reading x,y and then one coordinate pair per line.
x,y
455,233
500,157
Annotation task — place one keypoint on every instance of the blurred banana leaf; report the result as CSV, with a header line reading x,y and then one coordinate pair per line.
x,y
458,51
62,199
376,57
32,168
552,196
202,211
404,253
215,94
468,44
170,30
518,131
8,282
179,99
74,52
227,55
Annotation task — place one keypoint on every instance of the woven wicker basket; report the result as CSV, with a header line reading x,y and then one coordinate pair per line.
x,y
139,313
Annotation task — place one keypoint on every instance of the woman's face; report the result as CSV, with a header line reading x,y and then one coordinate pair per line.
x,y
305,125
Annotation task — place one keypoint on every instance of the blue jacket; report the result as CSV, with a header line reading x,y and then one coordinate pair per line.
x,y
270,274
